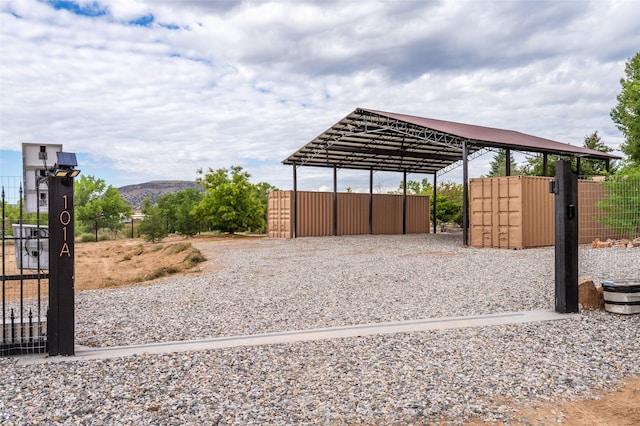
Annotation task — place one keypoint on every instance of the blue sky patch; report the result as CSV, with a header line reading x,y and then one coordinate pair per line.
x,y
170,26
89,9
143,21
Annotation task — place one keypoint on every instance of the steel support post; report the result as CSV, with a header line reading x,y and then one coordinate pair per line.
x,y
370,201
404,202
435,201
565,190
295,201
335,201
507,166
465,195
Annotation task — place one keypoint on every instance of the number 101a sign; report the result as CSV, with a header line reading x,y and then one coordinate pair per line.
x,y
61,319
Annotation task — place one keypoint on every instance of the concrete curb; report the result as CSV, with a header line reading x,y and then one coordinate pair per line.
x,y
84,353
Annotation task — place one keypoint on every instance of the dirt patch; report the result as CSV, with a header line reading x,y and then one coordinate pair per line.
x,y
108,264
126,262
618,408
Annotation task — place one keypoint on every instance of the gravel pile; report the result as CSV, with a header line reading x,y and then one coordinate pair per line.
x,y
418,378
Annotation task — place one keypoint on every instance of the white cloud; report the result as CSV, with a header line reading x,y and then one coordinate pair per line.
x,y
215,84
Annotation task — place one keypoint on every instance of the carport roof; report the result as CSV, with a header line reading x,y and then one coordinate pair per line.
x,y
378,140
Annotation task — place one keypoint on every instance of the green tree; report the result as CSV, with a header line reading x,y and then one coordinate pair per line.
x,y
177,209
535,165
499,164
590,167
98,205
153,226
231,202
626,114
449,199
12,215
415,188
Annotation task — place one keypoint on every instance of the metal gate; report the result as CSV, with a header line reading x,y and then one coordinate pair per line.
x,y
25,278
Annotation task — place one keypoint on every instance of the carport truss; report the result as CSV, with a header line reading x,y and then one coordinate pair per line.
x,y
374,140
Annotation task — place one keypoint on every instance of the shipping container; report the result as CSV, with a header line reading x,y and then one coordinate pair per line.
x,y
316,214
517,212
279,217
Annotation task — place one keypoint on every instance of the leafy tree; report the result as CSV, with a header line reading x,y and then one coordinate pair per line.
x,y
177,209
449,198
98,205
499,164
588,167
423,187
447,210
152,227
451,190
595,167
262,191
626,114
231,203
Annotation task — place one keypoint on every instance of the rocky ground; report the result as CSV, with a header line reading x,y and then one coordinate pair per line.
x,y
524,373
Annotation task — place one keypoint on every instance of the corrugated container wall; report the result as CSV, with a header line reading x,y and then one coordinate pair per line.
x,y
517,212
315,214
510,212
279,217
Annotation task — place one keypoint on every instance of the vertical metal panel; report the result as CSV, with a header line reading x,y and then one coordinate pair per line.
x,y
537,212
315,214
481,217
387,214
279,214
508,198
353,214
417,214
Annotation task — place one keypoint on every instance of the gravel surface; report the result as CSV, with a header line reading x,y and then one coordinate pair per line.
x,y
484,373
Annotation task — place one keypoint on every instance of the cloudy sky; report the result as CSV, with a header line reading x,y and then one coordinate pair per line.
x,y
156,89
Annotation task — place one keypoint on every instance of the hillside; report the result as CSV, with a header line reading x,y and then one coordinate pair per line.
x,y
135,194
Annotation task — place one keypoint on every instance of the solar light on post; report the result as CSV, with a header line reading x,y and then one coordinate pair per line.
x,y
61,318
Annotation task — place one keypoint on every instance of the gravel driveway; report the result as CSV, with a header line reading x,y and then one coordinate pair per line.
x,y
276,285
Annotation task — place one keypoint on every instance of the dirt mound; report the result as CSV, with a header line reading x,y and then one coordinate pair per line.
x,y
117,263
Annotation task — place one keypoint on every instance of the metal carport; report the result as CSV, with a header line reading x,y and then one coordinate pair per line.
x,y
368,139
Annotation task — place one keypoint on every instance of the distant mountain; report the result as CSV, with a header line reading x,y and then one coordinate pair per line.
x,y
135,194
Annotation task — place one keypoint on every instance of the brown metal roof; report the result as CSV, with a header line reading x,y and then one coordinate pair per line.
x,y
378,140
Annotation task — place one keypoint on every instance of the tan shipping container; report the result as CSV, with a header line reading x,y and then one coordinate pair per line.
x,y
517,212
510,212
315,214
279,217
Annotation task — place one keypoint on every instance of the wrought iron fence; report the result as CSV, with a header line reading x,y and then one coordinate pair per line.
x,y
25,280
